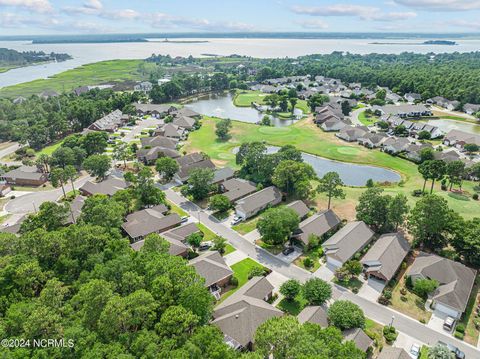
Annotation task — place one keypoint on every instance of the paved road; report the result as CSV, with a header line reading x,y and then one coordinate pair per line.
x,y
354,116
9,150
372,310
29,202
143,124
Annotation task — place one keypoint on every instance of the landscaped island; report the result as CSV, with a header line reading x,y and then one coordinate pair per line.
x,y
10,59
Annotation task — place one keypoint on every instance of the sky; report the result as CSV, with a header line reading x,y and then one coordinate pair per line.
x,y
38,17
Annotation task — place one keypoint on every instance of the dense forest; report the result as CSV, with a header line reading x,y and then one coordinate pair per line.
x,y
41,122
454,76
10,57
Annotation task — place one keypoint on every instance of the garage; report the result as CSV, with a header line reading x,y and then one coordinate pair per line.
x,y
447,310
333,262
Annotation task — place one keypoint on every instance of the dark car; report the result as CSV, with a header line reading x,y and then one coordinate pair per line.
x,y
288,250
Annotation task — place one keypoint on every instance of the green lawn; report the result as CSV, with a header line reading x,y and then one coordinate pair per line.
x,y
113,71
292,307
414,306
366,119
49,149
208,235
310,139
471,333
351,284
375,331
246,226
229,249
423,352
175,209
241,271
244,98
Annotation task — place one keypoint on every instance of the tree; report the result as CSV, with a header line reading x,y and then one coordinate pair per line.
x,y
293,103
95,143
294,178
220,203
43,161
346,108
437,171
372,208
71,173
219,244
290,289
99,210
63,156
223,128
423,287
455,171
50,217
276,224
344,314
424,135
440,351
331,184
195,240
145,189
97,165
400,130
166,168
397,210
266,121
122,153
199,183
466,239
317,100
58,177
316,291
426,154
275,336
429,220
471,148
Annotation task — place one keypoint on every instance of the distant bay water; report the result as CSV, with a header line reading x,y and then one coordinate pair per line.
x,y
84,53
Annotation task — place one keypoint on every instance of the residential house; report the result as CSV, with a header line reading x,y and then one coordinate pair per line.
x,y
459,139
395,145
25,176
318,225
222,174
334,124
413,150
75,210
158,141
108,186
393,353
170,130
185,112
211,266
359,337
157,111
372,140
300,208
385,256
145,86
14,228
447,156
45,95
418,127
19,100
412,97
471,108
455,282
403,111
110,122
150,220
188,163
150,155
239,316
251,205
445,103
315,315
237,188
343,245
351,133
393,97
185,122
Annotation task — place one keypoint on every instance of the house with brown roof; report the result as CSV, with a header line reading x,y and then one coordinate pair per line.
x,y
385,256
158,141
25,176
75,209
315,315
393,353
237,188
459,139
110,122
239,316
350,133
150,155
108,186
318,225
455,282
187,123
170,130
157,111
300,208
251,205
359,337
188,162
343,245
211,266
150,220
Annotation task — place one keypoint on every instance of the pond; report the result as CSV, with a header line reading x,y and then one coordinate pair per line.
x,y
446,125
351,174
221,105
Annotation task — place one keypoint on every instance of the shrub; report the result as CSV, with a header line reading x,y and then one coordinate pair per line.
x,y
417,193
403,298
256,272
423,287
403,291
387,294
389,333
316,291
383,301
459,335
423,321
460,328
344,314
234,281
355,290
308,263
475,196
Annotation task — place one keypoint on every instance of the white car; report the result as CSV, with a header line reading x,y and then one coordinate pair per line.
x,y
236,220
415,351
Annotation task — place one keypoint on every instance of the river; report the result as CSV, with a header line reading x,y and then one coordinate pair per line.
x,y
262,48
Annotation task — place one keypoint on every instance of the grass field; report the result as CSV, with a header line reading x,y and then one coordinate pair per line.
x,y
309,138
49,149
241,271
245,98
91,74
367,120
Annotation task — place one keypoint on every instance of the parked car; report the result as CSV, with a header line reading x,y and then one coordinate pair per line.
x,y
415,351
236,220
184,219
449,324
458,353
287,250
205,246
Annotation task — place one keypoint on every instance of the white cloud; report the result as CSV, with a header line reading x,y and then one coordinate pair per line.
x,y
313,24
93,4
95,8
39,6
441,5
166,21
475,25
369,13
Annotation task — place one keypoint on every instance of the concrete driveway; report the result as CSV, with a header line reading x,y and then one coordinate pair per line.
x,y
436,322
137,129
291,257
234,257
276,279
371,289
252,236
405,342
325,272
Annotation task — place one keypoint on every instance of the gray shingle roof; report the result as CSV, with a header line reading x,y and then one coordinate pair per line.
x,y
176,247
299,207
150,220
348,240
109,186
259,199
386,255
456,280
222,174
362,341
211,266
181,233
237,188
158,141
318,224
314,314
393,353
26,173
